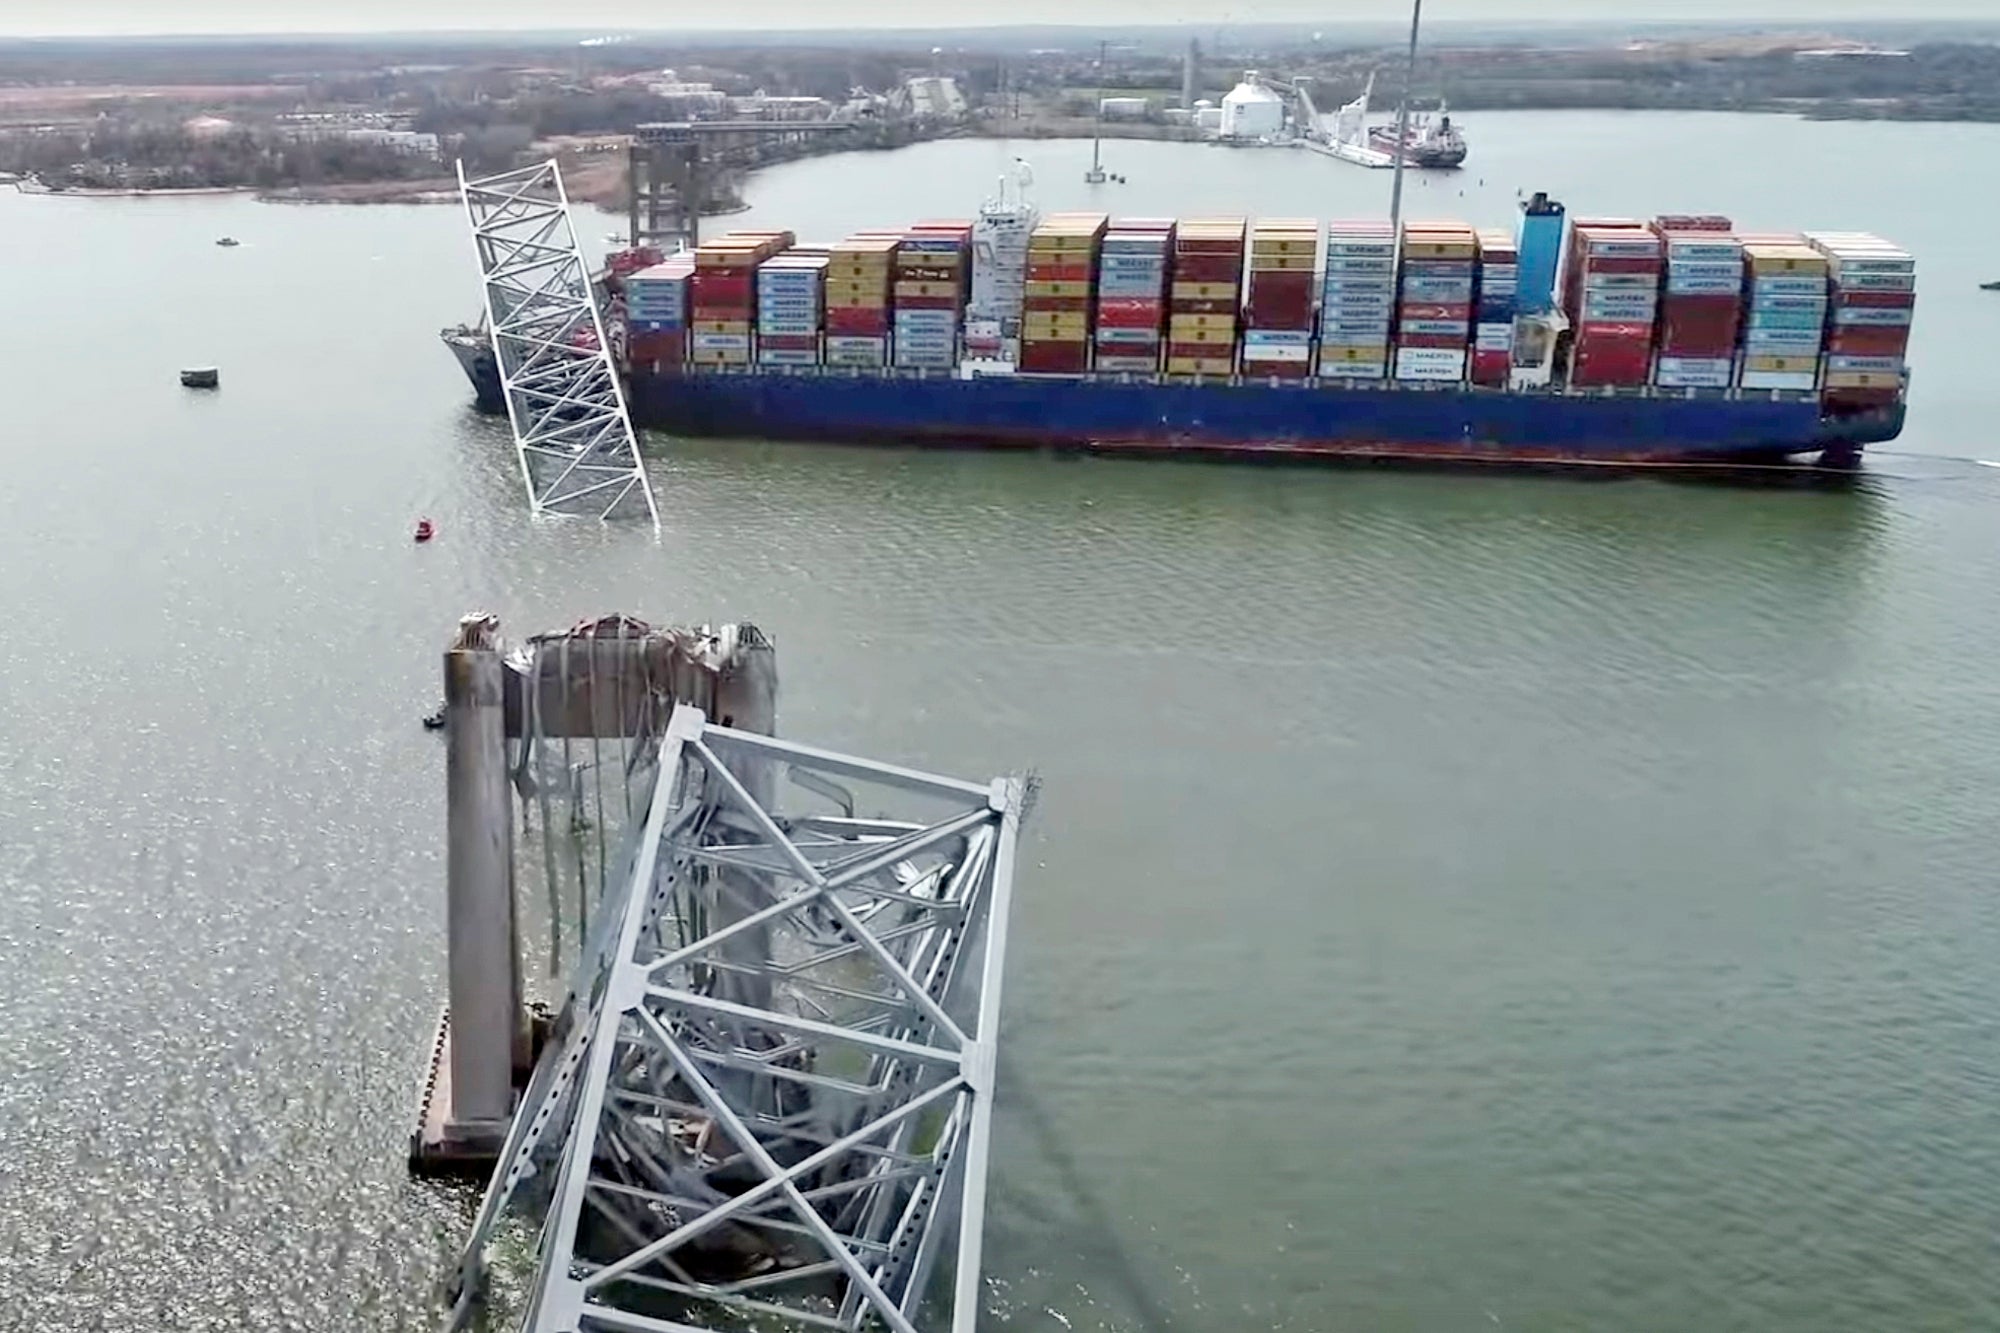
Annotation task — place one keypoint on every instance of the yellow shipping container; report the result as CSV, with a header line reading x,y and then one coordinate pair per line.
x,y
1357,353
858,286
1201,337
1802,259
1205,291
1466,249
1065,320
1283,263
1200,365
1789,365
1307,245
860,270
1201,322
1861,379
1058,289
720,356
1061,243
927,289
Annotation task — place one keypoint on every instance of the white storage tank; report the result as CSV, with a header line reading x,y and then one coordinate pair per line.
x,y
1252,111
1208,117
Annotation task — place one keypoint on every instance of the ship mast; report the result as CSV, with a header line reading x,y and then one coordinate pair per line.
x,y
1403,124
1095,176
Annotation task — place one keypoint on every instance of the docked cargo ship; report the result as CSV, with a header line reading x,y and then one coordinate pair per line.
x,y
1595,340
1430,143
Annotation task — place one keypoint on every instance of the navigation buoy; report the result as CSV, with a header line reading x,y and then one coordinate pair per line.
x,y
424,530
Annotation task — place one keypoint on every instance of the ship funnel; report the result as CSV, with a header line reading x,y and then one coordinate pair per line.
x,y
1541,253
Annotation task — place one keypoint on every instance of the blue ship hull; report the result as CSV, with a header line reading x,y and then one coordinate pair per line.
x,y
1449,424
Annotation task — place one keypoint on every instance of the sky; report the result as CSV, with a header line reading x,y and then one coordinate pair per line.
x,y
94,17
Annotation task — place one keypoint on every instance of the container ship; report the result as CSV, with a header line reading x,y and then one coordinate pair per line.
x,y
1677,340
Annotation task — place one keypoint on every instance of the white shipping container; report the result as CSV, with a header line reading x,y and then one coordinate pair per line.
x,y
1353,370
1878,282
1803,380
786,356
1128,365
1430,363
1276,355
1788,284
1871,365
722,342
1870,316
1694,374
1494,338
1604,247
1276,338
1704,251
1116,335
1620,282
1733,270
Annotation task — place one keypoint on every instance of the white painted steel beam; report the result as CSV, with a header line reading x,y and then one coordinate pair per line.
x,y
798,1162
573,435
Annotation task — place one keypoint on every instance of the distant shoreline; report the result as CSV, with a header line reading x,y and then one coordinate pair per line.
x,y
438,191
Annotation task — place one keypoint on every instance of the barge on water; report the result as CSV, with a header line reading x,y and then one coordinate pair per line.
x,y
1606,341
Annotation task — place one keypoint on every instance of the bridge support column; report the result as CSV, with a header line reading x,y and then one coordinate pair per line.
x,y
487,1035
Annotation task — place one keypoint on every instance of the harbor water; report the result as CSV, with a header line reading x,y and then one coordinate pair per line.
x,y
1456,901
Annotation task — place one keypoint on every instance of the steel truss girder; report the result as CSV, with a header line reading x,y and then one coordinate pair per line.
x,y
573,433
770,1100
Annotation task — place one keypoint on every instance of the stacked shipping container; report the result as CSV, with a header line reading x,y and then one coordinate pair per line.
x,y
1434,300
933,266
791,290
1873,294
1062,278
1702,309
858,282
1786,322
1357,300
1493,316
724,290
1206,294
1132,294
1683,301
1278,312
1612,297
658,308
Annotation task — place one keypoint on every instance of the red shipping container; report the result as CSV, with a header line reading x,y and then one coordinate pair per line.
x,y
1619,264
1692,222
1069,304
929,302
1180,307
1208,268
1282,280
652,347
1282,370
720,287
857,321
1185,244
1451,341
1292,316
1409,311
1611,361
1876,300
1490,367
1130,313
1041,270
1861,340
1204,351
1053,358
1861,397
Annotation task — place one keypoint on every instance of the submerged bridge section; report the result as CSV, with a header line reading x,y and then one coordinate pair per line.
x,y
572,433
765,1101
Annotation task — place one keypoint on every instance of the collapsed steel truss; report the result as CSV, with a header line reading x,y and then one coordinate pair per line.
x,y
572,432
767,1101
